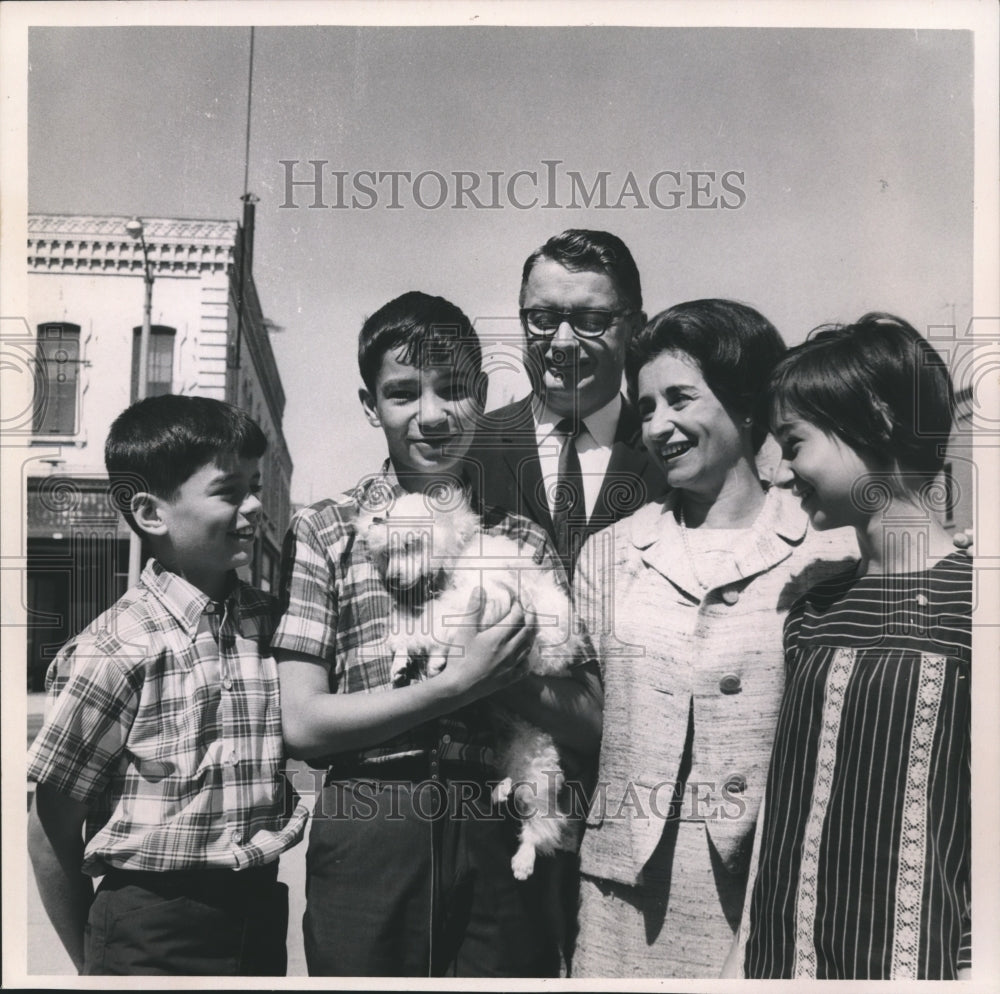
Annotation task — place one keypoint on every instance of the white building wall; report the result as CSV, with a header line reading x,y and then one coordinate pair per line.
x,y
86,270
107,308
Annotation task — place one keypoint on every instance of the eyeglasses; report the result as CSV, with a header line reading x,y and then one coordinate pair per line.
x,y
543,322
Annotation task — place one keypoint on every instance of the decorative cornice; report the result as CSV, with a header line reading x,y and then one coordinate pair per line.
x,y
88,243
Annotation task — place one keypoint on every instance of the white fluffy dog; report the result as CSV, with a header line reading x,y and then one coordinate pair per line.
x,y
432,555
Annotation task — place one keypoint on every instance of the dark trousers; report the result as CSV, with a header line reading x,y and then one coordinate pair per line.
x,y
189,923
412,878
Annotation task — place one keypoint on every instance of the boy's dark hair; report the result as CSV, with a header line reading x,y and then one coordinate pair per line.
x,y
582,250
431,331
877,385
160,442
734,346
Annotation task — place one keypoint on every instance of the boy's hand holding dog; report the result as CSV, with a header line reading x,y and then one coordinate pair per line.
x,y
485,659
481,661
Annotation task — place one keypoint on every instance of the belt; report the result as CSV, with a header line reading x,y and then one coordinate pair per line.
x,y
209,881
408,768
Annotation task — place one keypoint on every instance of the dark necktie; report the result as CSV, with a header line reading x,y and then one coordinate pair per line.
x,y
569,508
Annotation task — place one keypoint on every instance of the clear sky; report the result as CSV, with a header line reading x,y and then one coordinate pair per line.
x,y
854,149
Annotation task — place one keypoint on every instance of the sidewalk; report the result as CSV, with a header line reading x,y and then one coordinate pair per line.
x,y
45,954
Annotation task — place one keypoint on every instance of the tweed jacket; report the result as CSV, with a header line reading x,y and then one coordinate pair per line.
x,y
726,672
504,469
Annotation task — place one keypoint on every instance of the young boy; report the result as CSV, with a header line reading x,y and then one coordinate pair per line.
x,y
409,862
163,735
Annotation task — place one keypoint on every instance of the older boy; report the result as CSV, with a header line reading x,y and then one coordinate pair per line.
x,y
163,735
409,863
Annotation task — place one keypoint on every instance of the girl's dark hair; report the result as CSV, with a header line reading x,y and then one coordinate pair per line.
x,y
431,330
734,346
160,442
877,384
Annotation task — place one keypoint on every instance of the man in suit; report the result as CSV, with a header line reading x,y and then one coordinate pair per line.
x,y
570,456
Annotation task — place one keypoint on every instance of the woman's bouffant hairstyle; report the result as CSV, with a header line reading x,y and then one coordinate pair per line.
x,y
877,385
734,346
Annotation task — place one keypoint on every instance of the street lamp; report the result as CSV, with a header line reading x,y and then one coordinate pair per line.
x,y
135,230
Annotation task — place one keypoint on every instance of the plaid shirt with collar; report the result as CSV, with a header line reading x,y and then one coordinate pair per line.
x,y
337,608
163,717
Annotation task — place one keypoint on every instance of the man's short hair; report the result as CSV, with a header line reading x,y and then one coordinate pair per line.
x,y
158,443
431,331
582,250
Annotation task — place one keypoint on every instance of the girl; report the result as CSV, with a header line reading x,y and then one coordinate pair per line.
x,y
861,865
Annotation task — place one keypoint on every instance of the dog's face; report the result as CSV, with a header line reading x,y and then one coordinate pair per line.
x,y
414,541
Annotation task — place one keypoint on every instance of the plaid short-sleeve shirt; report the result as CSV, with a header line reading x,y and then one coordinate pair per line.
x,y
163,717
337,608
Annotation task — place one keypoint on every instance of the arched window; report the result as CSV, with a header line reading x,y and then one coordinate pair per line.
x,y
58,359
160,364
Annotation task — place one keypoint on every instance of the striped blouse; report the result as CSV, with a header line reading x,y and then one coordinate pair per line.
x,y
862,865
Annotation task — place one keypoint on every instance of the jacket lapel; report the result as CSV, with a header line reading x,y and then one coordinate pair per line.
x,y
779,529
519,457
631,478
510,446
656,535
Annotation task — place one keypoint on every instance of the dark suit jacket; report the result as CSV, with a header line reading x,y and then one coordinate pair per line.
x,y
504,469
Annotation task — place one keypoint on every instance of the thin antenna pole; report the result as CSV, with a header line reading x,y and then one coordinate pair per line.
x,y
246,152
233,362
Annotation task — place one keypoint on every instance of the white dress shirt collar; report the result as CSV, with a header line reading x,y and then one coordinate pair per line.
x,y
593,445
601,425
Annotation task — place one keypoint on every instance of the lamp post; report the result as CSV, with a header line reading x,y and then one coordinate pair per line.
x,y
135,230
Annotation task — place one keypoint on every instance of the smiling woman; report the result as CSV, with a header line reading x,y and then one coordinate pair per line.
x,y
689,596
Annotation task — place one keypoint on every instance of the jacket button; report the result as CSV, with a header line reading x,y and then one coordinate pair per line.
x,y
730,596
735,784
730,684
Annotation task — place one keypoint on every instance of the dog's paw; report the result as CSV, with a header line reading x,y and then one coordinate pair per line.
x,y
400,670
502,790
436,662
523,861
